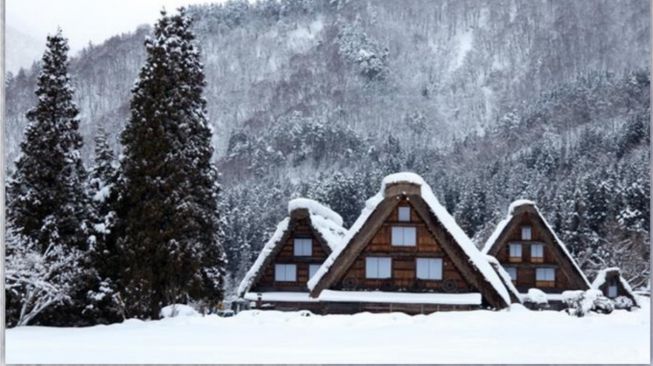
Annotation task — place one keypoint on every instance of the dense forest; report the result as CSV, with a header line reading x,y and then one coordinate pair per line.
x,y
490,101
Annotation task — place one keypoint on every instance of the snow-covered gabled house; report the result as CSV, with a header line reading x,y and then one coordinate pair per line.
x,y
613,285
301,242
405,252
532,254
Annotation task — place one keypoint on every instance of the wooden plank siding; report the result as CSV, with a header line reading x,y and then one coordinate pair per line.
x,y
565,276
403,267
300,228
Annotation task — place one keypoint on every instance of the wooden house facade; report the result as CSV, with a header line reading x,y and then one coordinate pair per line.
x,y
406,253
612,284
300,244
532,254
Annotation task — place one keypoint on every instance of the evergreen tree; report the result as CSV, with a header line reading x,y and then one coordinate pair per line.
x,y
46,203
103,302
167,214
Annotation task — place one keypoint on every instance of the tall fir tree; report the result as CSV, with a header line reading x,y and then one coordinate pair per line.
x,y
168,215
46,202
103,301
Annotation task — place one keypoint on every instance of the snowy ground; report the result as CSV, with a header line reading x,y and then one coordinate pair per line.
x,y
516,336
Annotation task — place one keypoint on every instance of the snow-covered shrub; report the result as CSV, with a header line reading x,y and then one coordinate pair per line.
x,y
623,302
579,303
175,310
36,281
536,299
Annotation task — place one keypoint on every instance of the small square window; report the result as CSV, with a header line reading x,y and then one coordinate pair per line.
x,y
526,233
545,277
429,268
404,213
537,253
404,236
303,247
285,272
378,267
514,252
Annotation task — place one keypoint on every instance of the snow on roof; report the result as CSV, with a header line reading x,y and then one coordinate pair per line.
x,y
315,208
503,223
330,231
267,249
519,203
447,221
601,278
507,281
473,298
324,220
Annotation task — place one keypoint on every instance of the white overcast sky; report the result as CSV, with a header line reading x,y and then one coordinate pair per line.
x,y
85,20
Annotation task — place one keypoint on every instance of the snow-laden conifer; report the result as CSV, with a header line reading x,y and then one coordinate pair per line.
x,y
169,222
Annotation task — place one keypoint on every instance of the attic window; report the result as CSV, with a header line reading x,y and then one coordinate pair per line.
x,y
612,291
526,233
404,213
405,236
514,252
285,273
303,247
545,277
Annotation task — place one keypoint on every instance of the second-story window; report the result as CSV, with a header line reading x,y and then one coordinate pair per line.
x,y
378,267
285,272
404,236
537,253
526,233
303,247
514,252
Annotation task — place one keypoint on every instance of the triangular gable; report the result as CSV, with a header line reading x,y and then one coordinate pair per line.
x,y
455,243
326,227
505,225
603,275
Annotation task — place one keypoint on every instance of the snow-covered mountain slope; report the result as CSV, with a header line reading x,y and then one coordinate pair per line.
x,y
380,67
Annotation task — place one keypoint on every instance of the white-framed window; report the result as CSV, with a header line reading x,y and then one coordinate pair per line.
x,y
612,291
514,252
285,272
545,274
526,233
429,268
512,272
378,267
404,213
312,269
537,253
404,236
303,247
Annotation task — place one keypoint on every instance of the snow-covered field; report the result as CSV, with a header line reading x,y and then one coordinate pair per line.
x,y
515,336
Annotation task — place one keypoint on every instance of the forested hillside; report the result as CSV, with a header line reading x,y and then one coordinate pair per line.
x,y
489,100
